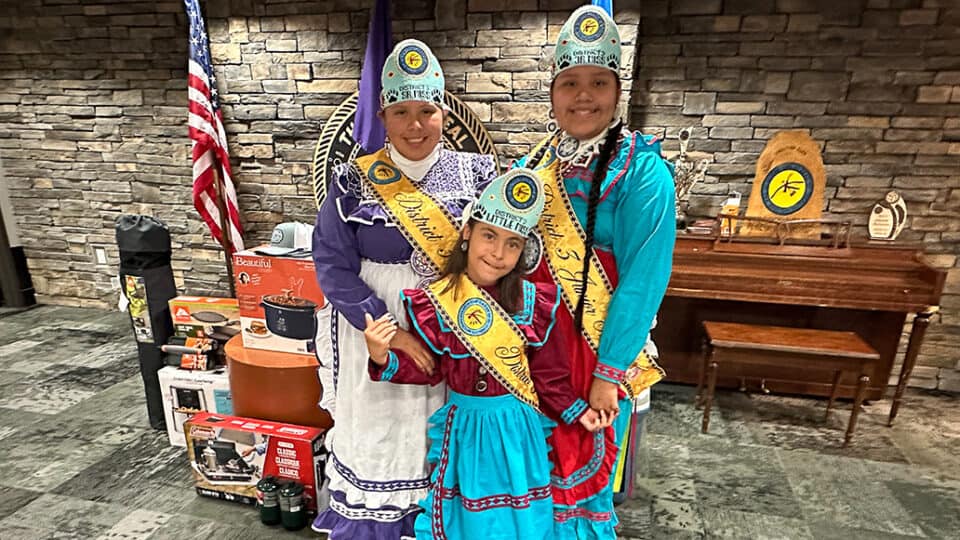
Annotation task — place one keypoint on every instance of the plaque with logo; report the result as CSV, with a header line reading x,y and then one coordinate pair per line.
x,y
789,184
887,217
462,132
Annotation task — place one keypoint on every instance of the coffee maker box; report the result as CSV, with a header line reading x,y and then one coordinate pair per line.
x,y
278,298
230,454
187,392
205,316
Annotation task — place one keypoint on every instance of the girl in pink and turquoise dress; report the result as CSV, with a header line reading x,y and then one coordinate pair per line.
x,y
492,336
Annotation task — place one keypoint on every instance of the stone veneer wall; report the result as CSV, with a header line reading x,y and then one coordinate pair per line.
x,y
875,82
93,112
93,101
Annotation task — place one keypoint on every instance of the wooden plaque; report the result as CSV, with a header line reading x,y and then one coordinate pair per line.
x,y
789,184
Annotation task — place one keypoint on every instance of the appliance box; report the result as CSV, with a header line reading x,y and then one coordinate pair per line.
x,y
201,316
186,392
278,299
230,454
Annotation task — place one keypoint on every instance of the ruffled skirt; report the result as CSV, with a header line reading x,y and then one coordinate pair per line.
x,y
491,476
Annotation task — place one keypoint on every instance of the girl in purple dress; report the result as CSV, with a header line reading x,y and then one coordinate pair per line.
x,y
386,225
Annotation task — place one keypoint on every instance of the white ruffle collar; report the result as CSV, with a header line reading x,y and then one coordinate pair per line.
x,y
414,170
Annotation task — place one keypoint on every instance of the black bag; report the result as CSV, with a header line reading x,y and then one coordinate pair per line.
x,y
146,279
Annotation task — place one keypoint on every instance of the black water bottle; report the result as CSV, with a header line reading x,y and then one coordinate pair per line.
x,y
292,513
268,495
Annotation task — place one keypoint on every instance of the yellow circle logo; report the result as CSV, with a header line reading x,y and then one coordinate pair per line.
x,y
413,60
521,193
786,188
589,26
475,318
382,173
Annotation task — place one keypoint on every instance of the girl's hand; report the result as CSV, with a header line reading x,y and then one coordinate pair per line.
x,y
590,420
605,419
603,397
378,335
404,341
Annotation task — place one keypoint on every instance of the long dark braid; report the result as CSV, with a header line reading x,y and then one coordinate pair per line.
x,y
599,174
534,162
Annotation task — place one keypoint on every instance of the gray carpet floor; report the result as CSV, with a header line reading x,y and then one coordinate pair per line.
x,y
78,459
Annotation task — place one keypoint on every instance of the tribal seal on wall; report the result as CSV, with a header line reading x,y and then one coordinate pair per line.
x,y
462,132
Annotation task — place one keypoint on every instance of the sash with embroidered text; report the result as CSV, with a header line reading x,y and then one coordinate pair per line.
x,y
487,331
564,245
424,222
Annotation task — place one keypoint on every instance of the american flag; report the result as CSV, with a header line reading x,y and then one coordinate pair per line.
x,y
209,138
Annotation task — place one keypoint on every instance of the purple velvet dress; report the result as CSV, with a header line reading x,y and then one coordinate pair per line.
x,y
378,447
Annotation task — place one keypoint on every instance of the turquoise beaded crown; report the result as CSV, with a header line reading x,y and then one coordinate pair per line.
x,y
512,201
588,38
411,73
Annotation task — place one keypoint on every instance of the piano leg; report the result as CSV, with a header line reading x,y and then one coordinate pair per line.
x,y
705,350
917,331
711,385
833,393
855,412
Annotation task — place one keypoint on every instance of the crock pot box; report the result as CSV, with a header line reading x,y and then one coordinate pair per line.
x,y
278,298
186,392
230,454
196,316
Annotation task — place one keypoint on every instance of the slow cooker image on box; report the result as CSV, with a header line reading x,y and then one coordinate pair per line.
x,y
290,316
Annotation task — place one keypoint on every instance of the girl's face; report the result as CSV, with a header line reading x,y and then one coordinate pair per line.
x,y
414,127
492,253
584,100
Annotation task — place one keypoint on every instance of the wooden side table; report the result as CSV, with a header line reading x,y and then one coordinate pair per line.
x,y
275,386
751,344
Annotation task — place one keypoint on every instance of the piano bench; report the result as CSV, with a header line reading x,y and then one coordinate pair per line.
x,y
775,346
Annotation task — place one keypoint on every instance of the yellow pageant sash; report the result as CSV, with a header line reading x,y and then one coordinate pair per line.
x,y
564,243
427,225
487,331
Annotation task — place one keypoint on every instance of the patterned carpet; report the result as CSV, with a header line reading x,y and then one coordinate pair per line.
x,y
78,460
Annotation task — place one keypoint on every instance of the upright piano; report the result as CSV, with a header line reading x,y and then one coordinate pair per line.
x,y
870,288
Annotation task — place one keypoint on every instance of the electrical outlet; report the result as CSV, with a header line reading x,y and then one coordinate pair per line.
x,y
115,283
100,254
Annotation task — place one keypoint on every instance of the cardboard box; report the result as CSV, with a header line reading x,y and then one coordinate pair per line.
x,y
278,298
186,393
201,316
206,358
230,454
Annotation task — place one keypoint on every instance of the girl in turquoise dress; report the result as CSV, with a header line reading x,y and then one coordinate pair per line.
x,y
614,199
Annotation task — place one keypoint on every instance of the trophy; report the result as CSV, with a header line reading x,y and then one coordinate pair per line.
x,y
887,217
688,169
